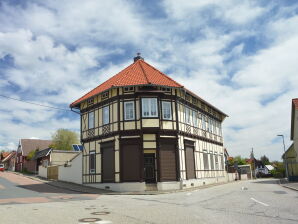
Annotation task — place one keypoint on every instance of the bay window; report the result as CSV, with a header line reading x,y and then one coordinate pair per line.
x,y
129,110
166,110
149,107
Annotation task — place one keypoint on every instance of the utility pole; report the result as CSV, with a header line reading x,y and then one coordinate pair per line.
x,y
285,158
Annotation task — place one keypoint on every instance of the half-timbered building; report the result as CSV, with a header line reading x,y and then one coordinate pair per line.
x,y
142,130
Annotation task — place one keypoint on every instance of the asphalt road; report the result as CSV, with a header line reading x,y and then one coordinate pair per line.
x,y
260,201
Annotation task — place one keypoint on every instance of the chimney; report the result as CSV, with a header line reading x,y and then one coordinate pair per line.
x,y
138,57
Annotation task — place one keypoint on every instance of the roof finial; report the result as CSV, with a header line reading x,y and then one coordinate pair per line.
x,y
138,57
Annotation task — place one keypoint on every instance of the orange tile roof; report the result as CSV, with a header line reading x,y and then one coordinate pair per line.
x,y
138,73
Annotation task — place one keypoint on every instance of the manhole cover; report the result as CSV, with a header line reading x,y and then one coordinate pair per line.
x,y
279,192
89,220
100,213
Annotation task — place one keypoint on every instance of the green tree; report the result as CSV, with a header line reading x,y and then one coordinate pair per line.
x,y
265,160
63,139
240,160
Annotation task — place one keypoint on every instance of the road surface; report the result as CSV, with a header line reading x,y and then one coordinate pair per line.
x,y
258,201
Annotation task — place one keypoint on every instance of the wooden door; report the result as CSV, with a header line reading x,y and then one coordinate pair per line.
x,y
190,162
108,163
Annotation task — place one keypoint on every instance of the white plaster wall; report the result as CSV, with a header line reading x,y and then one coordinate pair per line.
x,y
120,187
165,186
72,173
201,182
43,172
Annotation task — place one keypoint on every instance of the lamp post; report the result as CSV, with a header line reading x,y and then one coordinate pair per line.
x,y
285,158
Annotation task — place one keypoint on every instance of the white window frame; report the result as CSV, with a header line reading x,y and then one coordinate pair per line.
x,y
195,118
127,114
166,110
106,118
91,122
92,170
147,107
187,115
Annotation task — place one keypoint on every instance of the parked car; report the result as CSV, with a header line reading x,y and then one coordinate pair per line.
x,y
2,167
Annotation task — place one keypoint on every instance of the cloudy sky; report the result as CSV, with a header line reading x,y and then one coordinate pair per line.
x,y
241,56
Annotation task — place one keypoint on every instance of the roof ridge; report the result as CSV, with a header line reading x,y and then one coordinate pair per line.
x,y
163,74
144,73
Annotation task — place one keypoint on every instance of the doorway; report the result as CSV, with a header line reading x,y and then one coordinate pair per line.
x,y
149,168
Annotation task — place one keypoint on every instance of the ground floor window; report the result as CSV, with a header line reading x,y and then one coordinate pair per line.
x,y
92,162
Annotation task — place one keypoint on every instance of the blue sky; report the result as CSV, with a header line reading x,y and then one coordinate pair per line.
x,y
241,56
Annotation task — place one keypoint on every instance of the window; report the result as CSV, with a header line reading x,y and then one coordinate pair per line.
x,y
92,162
206,161
105,95
166,110
204,122
212,161
166,89
187,115
91,120
90,101
216,162
222,162
106,115
149,107
128,89
129,110
195,118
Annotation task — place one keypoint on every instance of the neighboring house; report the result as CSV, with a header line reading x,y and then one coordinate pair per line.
x,y
8,159
142,129
290,156
49,159
24,148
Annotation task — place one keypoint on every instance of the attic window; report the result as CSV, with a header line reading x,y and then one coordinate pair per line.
x,y
105,95
166,89
187,97
128,89
90,101
194,100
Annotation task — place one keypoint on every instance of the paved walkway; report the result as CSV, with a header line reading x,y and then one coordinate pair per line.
x,y
290,185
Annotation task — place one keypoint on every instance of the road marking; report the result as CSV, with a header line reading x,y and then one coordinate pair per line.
x,y
259,202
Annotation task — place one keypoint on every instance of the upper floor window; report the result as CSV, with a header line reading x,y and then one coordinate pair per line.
x,y
128,89
195,118
105,115
129,110
187,115
149,107
105,95
166,110
91,120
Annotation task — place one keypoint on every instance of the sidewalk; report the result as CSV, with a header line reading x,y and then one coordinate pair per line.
x,y
290,185
91,190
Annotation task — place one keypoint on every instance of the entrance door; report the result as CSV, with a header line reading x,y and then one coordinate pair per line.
x,y
190,162
149,168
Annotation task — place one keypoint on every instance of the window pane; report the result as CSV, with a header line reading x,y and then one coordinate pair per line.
x,y
106,115
206,161
129,110
149,107
92,162
91,120
166,110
